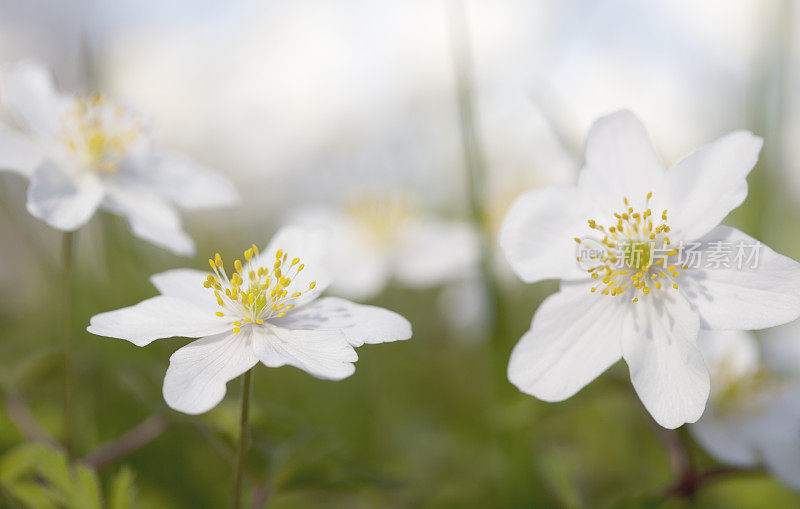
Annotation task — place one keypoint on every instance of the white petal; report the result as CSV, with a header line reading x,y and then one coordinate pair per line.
x,y
311,246
358,273
198,372
321,353
188,185
574,337
728,353
150,218
746,298
158,317
777,435
360,324
725,439
620,162
186,284
18,153
64,202
703,187
667,369
537,235
781,349
360,270
431,252
28,90
782,458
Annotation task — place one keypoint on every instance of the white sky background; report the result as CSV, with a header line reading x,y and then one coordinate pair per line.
x,y
305,99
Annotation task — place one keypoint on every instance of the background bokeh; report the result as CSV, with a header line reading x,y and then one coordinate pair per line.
x,y
303,102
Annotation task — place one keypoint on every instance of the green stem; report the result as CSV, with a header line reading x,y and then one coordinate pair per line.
x,y
67,282
244,432
473,153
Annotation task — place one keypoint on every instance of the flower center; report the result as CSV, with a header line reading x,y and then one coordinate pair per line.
x,y
747,393
635,253
99,133
380,219
257,292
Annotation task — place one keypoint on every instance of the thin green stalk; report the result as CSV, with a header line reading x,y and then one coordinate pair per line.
x,y
244,437
473,155
68,343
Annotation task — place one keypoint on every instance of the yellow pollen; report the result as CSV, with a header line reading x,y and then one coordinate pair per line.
x,y
262,296
635,251
99,133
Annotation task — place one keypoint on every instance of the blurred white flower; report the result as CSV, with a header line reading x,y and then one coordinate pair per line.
x,y
264,310
753,414
632,295
380,237
466,306
82,153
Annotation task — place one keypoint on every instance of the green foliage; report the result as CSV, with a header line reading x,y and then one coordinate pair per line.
x,y
39,476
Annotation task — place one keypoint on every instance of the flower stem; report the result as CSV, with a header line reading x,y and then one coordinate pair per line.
x,y
244,436
67,282
475,164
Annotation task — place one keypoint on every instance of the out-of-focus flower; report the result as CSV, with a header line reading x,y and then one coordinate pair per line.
x,y
379,237
465,304
635,292
82,153
264,310
753,413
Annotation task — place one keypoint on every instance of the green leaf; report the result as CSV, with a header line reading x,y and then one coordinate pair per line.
x,y
557,469
122,491
53,466
86,492
32,494
19,462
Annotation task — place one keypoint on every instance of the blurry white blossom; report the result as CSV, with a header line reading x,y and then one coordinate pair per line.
x,y
377,238
81,153
753,414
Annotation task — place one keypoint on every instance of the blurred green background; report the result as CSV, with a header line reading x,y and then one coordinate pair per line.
x,y
300,102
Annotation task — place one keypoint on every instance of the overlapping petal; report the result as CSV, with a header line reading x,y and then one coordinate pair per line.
x,y
156,318
150,218
188,185
764,292
63,201
725,439
310,246
620,162
360,324
187,285
659,344
705,186
197,374
574,337
28,90
322,353
18,153
537,235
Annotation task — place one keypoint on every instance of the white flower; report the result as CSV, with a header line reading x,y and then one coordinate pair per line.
x,y
638,299
753,414
82,153
263,310
375,239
